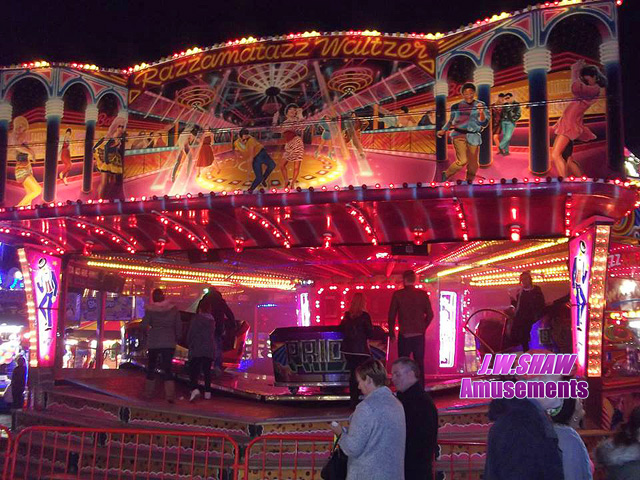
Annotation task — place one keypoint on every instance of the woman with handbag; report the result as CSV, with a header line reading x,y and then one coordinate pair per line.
x,y
377,429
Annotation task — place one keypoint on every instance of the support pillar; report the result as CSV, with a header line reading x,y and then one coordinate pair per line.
x,y
537,63
6,110
610,58
100,330
90,119
62,319
483,78
54,109
440,91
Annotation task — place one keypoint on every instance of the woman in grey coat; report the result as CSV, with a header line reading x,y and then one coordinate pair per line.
x,y
163,320
621,454
201,341
375,440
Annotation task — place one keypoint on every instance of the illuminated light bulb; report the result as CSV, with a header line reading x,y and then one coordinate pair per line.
x,y
514,232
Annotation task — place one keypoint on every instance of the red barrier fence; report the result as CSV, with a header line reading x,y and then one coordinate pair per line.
x,y
53,452
5,449
283,457
85,453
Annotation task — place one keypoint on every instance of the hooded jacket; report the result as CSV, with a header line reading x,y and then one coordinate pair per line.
x,y
201,339
522,443
622,461
165,327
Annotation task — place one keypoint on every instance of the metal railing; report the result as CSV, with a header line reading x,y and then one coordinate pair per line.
x,y
284,457
85,453
6,441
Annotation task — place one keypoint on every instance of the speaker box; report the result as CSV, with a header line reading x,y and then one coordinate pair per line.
x,y
198,256
410,249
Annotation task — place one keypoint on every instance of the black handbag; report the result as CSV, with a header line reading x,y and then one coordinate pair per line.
x,y
336,467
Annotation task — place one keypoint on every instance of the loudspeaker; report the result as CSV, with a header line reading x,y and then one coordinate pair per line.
x,y
198,256
410,249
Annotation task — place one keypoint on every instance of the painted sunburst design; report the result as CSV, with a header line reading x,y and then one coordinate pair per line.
x,y
196,96
350,79
270,84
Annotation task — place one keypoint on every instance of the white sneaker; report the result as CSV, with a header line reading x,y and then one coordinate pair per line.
x,y
207,395
195,393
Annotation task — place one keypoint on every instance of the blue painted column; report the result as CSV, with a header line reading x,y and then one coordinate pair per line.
x,y
6,111
483,78
610,58
54,108
90,119
440,91
537,63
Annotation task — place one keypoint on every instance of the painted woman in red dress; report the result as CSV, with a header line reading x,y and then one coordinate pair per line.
x,y
206,157
586,82
65,156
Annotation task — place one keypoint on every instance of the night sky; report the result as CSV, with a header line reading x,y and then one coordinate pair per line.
x,y
121,33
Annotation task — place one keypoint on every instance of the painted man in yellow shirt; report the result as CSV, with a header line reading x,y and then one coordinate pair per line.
x,y
253,151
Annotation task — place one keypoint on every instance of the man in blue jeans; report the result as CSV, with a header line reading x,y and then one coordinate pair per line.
x,y
413,309
252,151
511,113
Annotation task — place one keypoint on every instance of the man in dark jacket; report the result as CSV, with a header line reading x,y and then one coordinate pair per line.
x,y
529,305
413,309
201,341
522,443
18,383
421,418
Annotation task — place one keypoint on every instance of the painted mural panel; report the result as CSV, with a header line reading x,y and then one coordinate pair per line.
x,y
530,94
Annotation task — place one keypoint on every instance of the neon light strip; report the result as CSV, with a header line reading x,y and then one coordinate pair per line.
x,y
31,308
597,301
506,256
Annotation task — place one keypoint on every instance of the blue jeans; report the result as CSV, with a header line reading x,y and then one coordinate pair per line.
x,y
262,158
507,132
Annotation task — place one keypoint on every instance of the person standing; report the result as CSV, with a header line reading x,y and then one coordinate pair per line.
x,y
201,341
375,439
357,329
413,309
109,155
252,151
223,316
163,320
511,113
468,119
25,155
421,416
575,457
522,442
529,306
18,383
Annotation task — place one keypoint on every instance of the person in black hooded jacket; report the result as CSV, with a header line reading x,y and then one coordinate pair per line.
x,y
357,329
224,319
522,443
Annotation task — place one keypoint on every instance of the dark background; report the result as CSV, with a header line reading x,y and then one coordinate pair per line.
x,y
122,33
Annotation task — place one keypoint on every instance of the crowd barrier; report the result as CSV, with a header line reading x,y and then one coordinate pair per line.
x,y
84,453
5,448
58,453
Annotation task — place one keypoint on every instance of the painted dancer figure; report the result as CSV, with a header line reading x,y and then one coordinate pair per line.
x,y
579,273
109,158
511,113
252,151
65,157
352,129
468,119
586,83
293,144
206,157
47,285
24,156
325,138
186,147
496,120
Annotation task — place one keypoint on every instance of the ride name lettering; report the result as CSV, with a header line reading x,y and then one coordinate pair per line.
x,y
418,51
315,356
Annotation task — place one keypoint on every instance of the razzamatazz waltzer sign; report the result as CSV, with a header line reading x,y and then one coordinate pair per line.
x,y
419,52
